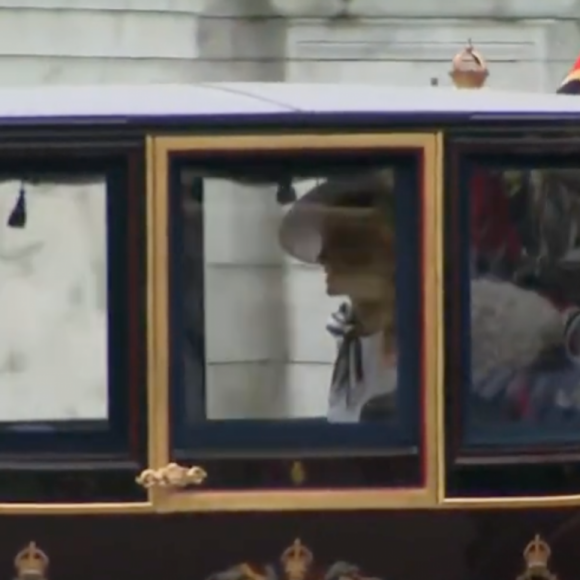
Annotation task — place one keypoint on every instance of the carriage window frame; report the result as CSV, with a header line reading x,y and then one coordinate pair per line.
x,y
165,148
51,464
459,459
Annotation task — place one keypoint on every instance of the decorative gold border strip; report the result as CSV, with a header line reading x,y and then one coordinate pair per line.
x,y
283,501
523,502
157,327
165,499
439,339
47,509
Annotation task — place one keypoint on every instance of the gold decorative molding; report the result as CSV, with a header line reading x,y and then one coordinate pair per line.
x,y
295,563
536,556
172,476
31,563
297,497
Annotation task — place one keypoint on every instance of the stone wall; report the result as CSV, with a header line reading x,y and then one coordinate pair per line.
x,y
53,303
85,41
529,45
270,356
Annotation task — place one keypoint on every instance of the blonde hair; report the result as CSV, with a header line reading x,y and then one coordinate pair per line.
x,y
377,235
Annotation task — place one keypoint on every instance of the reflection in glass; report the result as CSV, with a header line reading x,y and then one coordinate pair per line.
x,y
53,310
299,312
525,299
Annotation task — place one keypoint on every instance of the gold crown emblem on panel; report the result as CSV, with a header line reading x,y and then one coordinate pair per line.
x,y
31,562
296,561
536,556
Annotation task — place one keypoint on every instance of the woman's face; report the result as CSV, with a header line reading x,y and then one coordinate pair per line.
x,y
358,255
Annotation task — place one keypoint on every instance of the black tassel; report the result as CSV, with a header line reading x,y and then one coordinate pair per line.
x,y
17,217
286,194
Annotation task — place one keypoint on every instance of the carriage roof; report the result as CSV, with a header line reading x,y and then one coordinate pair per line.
x,y
259,100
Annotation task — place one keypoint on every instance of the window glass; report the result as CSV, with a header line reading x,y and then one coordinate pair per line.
x,y
297,299
525,303
72,327
53,301
513,314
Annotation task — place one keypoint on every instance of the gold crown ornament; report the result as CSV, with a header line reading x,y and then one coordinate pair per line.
x,y
469,69
31,563
296,561
536,556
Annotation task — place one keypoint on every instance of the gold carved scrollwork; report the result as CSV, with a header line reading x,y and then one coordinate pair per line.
x,y
172,475
536,556
31,563
296,563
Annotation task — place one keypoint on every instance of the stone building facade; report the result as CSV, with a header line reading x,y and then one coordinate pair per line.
x,y
268,335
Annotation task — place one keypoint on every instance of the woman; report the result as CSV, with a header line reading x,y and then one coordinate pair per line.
x,y
346,226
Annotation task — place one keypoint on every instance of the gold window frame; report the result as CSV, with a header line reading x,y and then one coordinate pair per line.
x,y
166,497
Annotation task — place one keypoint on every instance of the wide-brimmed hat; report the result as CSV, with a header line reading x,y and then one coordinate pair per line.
x,y
302,229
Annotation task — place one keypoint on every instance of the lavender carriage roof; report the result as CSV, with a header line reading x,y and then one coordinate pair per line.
x,y
239,101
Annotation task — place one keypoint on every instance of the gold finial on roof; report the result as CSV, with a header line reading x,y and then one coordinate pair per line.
x,y
31,563
536,555
297,560
469,69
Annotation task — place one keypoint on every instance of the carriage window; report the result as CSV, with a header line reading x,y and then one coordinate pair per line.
x,y
295,318
514,307
70,394
53,302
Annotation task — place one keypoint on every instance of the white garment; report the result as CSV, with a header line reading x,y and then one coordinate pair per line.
x,y
378,378
511,327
